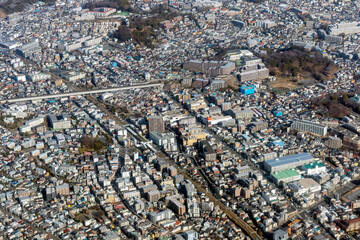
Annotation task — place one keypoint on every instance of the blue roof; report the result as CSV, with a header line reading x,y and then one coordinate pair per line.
x,y
289,159
278,143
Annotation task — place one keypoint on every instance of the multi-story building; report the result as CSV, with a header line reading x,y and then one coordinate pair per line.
x,y
333,142
153,196
309,127
176,206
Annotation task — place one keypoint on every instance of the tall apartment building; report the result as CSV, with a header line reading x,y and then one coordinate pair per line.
x,y
212,68
253,72
176,206
309,127
156,124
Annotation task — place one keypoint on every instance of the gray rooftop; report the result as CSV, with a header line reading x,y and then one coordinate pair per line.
x,y
289,159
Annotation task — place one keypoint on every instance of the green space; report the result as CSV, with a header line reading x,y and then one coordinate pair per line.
x,y
123,13
90,144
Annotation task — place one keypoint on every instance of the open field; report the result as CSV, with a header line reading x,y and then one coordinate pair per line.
x,y
283,85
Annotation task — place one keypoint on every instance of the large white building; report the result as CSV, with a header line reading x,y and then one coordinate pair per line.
x,y
309,127
287,162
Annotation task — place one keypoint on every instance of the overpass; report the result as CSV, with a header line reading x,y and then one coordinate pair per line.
x,y
78,93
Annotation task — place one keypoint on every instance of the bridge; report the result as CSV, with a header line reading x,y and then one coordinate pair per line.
x,y
78,93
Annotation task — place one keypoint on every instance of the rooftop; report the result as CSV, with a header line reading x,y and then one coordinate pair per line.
x,y
289,159
285,174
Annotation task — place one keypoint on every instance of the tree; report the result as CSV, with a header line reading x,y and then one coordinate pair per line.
x,y
123,33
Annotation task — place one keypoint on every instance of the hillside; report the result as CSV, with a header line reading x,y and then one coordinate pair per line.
x,y
12,6
298,63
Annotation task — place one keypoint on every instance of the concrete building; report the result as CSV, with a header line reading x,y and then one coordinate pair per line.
x,y
211,68
176,206
280,235
102,12
253,72
346,28
159,216
241,114
59,122
216,84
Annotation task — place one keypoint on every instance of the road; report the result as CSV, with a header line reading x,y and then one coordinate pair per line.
x,y
81,92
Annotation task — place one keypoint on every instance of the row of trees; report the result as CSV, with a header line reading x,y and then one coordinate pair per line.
x,y
123,5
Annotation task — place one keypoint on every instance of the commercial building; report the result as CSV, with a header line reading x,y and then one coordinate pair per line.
x,y
309,127
153,196
247,90
214,119
29,49
287,162
163,139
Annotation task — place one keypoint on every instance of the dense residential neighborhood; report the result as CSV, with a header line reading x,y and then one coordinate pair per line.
x,y
196,119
